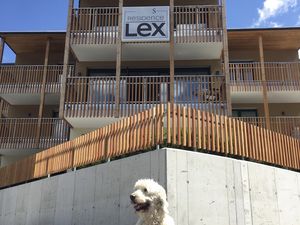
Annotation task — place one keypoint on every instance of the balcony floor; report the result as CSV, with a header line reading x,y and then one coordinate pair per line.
x,y
29,99
148,51
273,96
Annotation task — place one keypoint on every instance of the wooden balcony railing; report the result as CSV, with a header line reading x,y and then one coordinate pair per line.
x,y
192,24
21,133
288,125
95,96
29,79
280,76
170,125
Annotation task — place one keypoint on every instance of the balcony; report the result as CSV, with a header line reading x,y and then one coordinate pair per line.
x,y
21,84
282,82
289,126
91,98
22,133
198,34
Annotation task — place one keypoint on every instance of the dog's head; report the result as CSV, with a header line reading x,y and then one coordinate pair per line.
x,y
148,195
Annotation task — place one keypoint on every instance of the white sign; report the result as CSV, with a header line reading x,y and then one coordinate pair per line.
x,y
145,24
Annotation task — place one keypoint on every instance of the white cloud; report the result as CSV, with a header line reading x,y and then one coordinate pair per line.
x,y
275,24
272,8
298,22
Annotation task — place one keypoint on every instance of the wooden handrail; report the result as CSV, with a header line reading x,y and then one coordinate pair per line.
x,y
95,96
195,23
288,125
280,76
21,133
173,125
28,78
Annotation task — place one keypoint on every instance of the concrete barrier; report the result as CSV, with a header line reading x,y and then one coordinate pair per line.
x,y
202,189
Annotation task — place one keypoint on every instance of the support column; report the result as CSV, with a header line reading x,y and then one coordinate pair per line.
x,y
118,61
42,98
226,59
171,52
2,42
66,62
264,83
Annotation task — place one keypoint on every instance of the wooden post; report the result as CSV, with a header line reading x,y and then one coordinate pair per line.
x,y
1,107
171,52
263,76
2,41
119,61
42,99
66,62
226,59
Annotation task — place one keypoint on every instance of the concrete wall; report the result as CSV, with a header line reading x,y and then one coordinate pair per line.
x,y
202,189
206,189
96,195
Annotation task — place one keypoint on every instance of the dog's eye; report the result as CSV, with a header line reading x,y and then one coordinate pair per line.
x,y
145,190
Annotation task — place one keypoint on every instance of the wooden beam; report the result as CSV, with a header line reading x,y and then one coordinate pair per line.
x,y
2,42
118,61
42,97
1,107
264,83
226,59
66,62
171,52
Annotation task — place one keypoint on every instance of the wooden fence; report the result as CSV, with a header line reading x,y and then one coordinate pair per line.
x,y
280,76
192,24
20,133
29,78
95,96
288,125
173,126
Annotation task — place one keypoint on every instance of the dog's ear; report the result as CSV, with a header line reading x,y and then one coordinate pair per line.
x,y
162,203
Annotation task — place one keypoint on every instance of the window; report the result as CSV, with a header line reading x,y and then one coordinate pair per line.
x,y
244,113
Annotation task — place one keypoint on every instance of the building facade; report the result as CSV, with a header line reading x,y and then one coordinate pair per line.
x,y
113,62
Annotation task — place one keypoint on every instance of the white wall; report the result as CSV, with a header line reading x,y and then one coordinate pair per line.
x,y
202,189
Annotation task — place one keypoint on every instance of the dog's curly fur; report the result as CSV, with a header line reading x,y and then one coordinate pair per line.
x,y
150,203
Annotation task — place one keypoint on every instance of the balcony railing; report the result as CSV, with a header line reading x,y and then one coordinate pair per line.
x,y
192,24
95,96
286,125
280,76
22,133
29,78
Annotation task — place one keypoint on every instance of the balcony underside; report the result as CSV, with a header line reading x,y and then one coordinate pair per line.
x,y
30,99
148,51
273,96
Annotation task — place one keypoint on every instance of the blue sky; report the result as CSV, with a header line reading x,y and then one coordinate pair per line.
x,y
40,15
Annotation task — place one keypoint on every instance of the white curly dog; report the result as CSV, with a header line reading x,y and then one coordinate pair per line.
x,y
150,203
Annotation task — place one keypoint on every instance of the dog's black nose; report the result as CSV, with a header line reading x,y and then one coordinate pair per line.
x,y
132,197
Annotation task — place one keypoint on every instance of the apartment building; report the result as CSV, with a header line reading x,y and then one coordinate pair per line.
x,y
118,58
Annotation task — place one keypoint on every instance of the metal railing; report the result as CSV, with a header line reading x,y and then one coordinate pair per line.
x,y
96,96
22,133
29,78
280,76
194,23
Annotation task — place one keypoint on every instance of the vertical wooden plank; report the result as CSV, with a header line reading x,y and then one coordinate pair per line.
x,y
183,109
